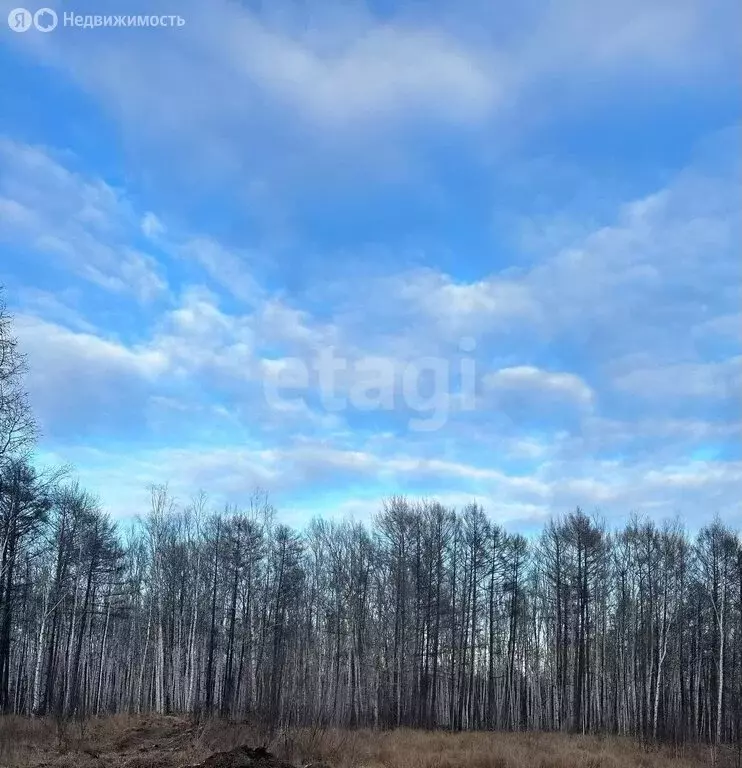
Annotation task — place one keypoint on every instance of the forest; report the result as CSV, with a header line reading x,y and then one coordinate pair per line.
x,y
426,617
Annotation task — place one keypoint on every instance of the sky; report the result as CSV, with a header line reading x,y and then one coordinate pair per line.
x,y
473,251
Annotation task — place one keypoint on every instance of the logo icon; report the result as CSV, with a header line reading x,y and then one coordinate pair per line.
x,y
45,19
19,20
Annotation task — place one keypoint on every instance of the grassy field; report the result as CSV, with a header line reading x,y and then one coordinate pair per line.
x,y
172,742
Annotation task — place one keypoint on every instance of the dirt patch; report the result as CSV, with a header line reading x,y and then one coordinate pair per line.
x,y
243,757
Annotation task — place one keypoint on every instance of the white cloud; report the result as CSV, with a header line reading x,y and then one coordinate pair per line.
x,y
235,82
635,286
707,381
152,227
296,473
596,289
657,38
50,345
532,380
383,72
72,221
492,304
78,381
229,269
725,327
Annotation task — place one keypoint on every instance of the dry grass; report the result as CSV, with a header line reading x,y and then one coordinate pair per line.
x,y
420,749
174,742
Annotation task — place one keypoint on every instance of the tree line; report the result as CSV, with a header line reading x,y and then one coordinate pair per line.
x,y
428,616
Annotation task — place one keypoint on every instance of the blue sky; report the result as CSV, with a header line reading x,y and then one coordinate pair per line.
x,y
187,213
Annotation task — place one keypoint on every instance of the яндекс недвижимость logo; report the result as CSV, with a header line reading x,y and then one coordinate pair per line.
x,y
21,20
47,19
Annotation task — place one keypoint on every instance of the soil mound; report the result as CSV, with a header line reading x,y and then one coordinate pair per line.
x,y
243,757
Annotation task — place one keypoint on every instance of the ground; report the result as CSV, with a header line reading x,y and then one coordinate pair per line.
x,y
176,742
